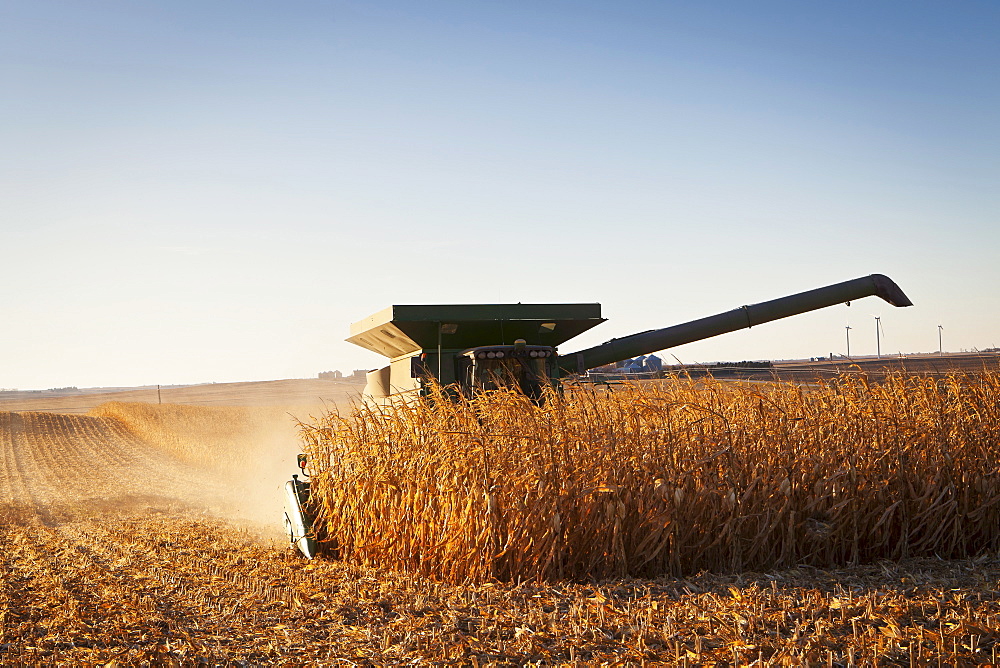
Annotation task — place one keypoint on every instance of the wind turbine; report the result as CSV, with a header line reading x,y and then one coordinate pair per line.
x,y
878,342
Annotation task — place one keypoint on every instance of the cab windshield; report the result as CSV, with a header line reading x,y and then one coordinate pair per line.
x,y
526,373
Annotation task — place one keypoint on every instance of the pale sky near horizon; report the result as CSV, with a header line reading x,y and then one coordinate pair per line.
x,y
213,191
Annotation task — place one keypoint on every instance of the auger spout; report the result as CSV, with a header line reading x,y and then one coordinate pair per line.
x,y
646,343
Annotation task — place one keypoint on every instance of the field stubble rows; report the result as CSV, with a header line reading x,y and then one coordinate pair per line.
x,y
117,549
162,589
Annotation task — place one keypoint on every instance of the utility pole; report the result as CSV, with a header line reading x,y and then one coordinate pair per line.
x,y
848,342
878,342
940,347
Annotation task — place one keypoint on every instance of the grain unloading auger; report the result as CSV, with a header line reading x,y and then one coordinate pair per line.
x,y
471,348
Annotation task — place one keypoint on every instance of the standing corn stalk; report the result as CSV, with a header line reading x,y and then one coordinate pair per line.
x,y
667,478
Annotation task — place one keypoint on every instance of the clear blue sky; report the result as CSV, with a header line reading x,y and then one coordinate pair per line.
x,y
214,191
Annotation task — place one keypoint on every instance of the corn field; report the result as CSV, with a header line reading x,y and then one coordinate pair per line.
x,y
115,553
664,479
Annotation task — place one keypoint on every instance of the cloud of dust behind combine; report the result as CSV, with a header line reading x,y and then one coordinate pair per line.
x,y
244,454
257,484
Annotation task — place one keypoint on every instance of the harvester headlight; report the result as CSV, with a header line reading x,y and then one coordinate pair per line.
x,y
491,354
480,355
499,354
532,353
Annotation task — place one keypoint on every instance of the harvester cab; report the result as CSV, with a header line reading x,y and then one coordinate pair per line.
x,y
529,369
471,348
468,347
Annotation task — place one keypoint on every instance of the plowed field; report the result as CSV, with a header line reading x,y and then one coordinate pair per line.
x,y
113,549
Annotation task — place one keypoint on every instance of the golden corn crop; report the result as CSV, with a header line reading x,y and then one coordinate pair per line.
x,y
667,478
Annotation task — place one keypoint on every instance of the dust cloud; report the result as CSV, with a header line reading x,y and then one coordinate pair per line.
x,y
133,459
252,490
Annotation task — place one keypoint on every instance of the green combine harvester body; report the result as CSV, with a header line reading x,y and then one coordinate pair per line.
x,y
473,347
470,348
456,343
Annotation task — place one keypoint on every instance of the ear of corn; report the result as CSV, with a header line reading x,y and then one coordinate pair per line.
x,y
671,478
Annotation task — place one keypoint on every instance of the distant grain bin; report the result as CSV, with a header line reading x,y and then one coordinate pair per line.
x,y
330,375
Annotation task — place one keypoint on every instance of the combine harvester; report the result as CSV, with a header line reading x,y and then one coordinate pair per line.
x,y
471,348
